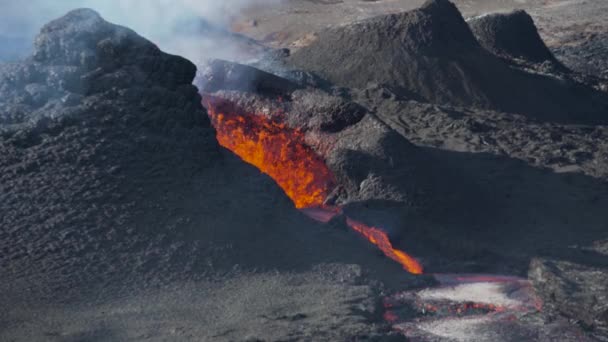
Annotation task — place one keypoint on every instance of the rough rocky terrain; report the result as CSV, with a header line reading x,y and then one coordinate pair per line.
x,y
471,182
431,55
478,153
120,209
573,284
574,30
512,35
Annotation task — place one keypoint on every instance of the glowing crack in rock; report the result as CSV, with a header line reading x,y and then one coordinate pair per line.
x,y
281,152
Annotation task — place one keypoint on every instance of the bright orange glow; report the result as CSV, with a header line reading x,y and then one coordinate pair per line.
x,y
281,152
380,239
278,151
374,235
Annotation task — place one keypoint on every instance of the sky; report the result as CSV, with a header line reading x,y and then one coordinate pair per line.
x,y
157,20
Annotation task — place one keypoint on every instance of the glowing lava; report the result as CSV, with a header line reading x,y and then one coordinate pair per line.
x,y
380,239
281,152
278,151
374,235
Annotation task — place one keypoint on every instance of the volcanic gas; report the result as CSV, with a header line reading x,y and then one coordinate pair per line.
x,y
282,153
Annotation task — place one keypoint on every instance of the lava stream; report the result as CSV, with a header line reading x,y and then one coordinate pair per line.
x,y
276,150
380,239
281,152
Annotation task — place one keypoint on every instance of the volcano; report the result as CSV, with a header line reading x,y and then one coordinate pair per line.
x,y
412,175
116,192
436,172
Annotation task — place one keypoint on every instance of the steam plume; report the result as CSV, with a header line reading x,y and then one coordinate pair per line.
x,y
168,23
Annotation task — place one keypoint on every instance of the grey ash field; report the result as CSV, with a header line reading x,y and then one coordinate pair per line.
x,y
475,135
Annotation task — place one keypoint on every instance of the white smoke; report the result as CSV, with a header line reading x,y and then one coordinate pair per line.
x,y
161,21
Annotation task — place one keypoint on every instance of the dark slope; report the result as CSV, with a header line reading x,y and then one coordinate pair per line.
x,y
111,180
430,54
512,35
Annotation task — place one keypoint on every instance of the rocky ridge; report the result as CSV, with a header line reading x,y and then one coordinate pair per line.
x,y
431,55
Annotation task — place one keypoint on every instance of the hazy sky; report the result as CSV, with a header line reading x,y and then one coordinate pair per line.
x,y
156,20
18,17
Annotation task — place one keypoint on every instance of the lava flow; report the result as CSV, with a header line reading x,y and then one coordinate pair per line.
x,y
281,152
276,150
380,239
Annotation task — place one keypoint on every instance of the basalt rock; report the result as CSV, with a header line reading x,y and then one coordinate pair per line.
x,y
512,35
344,55
574,284
320,111
370,161
430,54
91,160
223,75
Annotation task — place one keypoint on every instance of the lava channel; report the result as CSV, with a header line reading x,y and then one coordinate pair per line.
x,y
282,153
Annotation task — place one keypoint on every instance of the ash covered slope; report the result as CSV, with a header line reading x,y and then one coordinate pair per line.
x,y
112,184
430,54
512,35
90,125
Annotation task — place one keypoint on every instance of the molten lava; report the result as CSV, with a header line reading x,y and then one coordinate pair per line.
x,y
380,239
281,152
278,151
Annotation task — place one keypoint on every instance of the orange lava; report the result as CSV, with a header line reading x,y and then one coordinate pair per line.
x,y
281,152
278,151
380,239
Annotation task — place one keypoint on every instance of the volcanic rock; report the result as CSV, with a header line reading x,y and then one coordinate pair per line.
x,y
466,189
115,192
575,284
417,168
385,43
114,188
373,163
223,75
430,54
369,160
512,35
89,123
320,111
